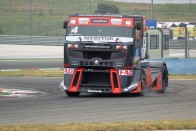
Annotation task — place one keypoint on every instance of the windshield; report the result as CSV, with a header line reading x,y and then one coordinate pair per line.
x,y
99,34
112,31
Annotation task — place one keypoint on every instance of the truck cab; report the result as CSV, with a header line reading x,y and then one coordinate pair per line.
x,y
103,52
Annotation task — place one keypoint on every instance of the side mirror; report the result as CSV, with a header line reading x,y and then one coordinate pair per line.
x,y
65,24
138,25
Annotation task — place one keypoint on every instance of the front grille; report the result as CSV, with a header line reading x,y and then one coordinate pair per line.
x,y
91,63
96,79
97,54
86,63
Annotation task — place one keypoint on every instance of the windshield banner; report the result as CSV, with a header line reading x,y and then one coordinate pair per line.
x,y
99,39
100,21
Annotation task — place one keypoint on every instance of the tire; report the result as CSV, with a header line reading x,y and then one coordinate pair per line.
x,y
164,81
72,94
143,83
163,86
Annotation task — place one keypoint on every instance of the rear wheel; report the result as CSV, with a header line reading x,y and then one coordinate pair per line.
x,y
164,81
163,86
72,94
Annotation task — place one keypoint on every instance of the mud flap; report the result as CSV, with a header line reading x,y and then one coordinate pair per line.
x,y
158,83
115,82
142,84
138,88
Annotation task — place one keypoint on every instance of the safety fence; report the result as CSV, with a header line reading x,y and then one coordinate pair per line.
x,y
31,40
45,17
176,49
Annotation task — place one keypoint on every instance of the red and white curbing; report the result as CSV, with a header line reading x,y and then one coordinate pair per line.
x,y
1,90
41,69
18,93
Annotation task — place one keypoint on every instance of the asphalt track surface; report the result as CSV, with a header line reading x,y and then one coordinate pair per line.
x,y
179,102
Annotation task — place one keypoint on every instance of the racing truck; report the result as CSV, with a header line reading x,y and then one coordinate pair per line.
x,y
107,53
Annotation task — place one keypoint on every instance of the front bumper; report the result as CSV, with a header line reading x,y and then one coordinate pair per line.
x,y
128,89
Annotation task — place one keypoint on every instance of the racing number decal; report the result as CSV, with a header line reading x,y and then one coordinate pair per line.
x,y
68,71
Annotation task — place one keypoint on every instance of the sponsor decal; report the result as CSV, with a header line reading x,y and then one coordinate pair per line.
x,y
97,38
116,21
94,91
68,70
97,47
125,72
83,20
143,54
144,24
144,42
178,31
73,21
127,22
99,21
181,30
101,15
121,47
72,45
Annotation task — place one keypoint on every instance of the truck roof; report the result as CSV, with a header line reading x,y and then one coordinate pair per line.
x,y
106,15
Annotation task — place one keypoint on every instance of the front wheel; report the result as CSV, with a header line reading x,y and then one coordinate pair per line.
x,y
72,94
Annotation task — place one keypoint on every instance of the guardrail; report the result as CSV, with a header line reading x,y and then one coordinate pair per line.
x,y
31,40
180,44
52,40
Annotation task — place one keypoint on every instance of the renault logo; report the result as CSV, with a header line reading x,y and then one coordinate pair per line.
x,y
96,62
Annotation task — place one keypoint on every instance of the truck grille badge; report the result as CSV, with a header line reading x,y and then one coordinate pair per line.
x,y
96,62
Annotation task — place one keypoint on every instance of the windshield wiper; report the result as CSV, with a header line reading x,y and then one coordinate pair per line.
x,y
126,43
85,42
113,42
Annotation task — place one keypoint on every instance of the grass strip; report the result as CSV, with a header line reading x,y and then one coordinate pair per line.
x,y
106,126
59,73
51,13
22,59
182,76
33,73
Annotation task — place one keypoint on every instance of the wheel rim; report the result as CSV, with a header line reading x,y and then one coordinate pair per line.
x,y
143,84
